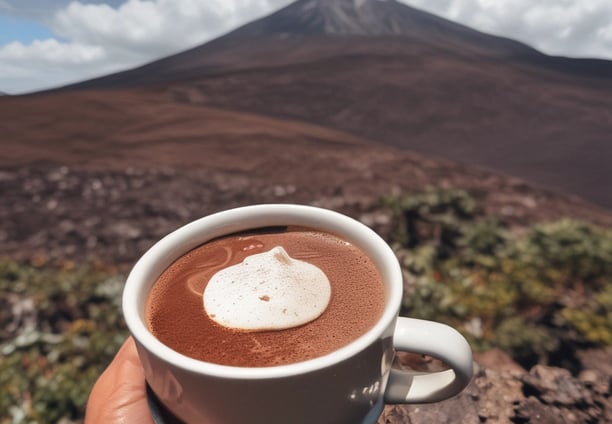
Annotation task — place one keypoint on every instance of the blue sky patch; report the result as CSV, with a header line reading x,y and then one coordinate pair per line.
x,y
17,29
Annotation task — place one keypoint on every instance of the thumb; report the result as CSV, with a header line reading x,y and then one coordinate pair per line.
x,y
119,395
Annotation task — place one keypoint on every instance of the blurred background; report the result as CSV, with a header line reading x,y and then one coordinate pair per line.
x,y
474,136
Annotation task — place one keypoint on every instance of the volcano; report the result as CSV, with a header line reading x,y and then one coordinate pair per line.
x,y
300,33
397,76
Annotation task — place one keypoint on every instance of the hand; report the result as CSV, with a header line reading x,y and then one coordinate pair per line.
x,y
119,395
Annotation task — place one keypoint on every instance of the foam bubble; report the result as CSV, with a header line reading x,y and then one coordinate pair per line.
x,y
267,291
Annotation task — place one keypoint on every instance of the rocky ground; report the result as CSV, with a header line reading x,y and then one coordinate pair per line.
x,y
70,213
503,392
59,213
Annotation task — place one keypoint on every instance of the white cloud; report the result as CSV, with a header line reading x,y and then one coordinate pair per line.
x,y
142,28
95,39
577,28
102,39
51,51
45,63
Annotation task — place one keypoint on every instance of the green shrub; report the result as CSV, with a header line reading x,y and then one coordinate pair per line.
x,y
62,326
528,292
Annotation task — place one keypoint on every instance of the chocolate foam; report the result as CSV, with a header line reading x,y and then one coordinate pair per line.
x,y
175,315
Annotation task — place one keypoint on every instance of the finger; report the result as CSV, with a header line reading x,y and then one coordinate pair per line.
x,y
119,395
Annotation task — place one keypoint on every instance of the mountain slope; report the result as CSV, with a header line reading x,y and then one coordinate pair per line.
x,y
247,158
402,77
283,37
549,129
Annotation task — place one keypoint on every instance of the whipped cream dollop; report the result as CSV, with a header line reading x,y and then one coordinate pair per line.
x,y
267,291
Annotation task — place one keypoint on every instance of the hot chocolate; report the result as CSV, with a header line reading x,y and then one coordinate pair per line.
x,y
176,309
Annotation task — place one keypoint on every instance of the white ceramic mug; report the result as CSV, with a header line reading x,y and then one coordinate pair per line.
x,y
350,385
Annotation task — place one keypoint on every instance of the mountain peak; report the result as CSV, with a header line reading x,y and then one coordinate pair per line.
x,y
343,18
338,3
355,17
338,17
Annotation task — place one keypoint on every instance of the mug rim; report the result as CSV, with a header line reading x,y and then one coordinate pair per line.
x,y
168,249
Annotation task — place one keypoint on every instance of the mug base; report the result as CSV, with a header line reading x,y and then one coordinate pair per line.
x,y
161,415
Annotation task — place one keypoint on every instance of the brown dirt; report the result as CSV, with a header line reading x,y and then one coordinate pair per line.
x,y
104,174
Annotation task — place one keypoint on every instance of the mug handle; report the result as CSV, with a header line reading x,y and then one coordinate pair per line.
x,y
438,340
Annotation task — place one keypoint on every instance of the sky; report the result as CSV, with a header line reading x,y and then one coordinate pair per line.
x,y
48,43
